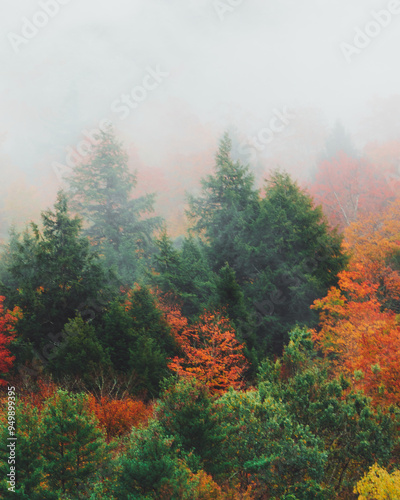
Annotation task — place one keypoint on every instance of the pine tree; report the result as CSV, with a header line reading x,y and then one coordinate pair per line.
x,y
138,339
81,354
186,412
50,273
184,274
223,211
73,448
338,142
295,258
230,296
117,223
28,461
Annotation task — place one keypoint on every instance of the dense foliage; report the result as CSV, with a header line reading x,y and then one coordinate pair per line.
x,y
255,357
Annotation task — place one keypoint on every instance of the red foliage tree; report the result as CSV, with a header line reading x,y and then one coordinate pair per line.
x,y
8,320
118,416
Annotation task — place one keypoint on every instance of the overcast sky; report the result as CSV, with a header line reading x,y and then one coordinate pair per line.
x,y
195,67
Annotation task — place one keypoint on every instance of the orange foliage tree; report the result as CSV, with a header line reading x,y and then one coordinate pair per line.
x,y
375,244
118,416
39,392
210,350
8,320
359,322
360,339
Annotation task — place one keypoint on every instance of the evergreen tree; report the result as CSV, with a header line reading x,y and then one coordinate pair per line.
x,y
186,412
149,463
184,275
225,208
352,432
293,258
137,338
28,460
73,447
230,296
49,274
117,223
267,447
81,354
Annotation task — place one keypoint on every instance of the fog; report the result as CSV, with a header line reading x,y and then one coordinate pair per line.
x,y
195,69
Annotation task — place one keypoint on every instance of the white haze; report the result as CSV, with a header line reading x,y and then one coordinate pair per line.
x,y
263,55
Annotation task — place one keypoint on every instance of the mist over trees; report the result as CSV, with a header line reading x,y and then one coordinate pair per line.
x,y
253,356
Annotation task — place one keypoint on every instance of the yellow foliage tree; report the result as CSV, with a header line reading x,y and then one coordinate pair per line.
x,y
378,484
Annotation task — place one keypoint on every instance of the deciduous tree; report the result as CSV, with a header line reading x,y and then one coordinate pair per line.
x,y
211,353
8,319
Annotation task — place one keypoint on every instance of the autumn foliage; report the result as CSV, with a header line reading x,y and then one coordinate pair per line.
x,y
379,484
210,351
44,389
359,323
349,188
118,416
8,320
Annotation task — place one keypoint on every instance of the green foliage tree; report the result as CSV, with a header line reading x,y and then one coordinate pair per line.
x,y
49,273
353,433
154,467
186,412
119,225
224,209
28,460
280,246
183,275
137,338
73,447
293,258
81,354
149,463
230,298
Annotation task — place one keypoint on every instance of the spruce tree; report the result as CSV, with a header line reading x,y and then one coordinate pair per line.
x,y
73,448
118,224
28,460
50,273
295,258
223,211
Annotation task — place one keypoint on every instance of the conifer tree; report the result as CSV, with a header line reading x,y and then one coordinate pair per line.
x,y
118,224
224,209
294,259
184,274
73,447
28,460
138,339
49,273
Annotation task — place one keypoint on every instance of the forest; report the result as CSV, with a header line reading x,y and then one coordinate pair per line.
x,y
255,355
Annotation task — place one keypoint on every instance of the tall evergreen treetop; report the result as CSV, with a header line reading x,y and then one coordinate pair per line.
x,y
50,273
222,211
101,190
